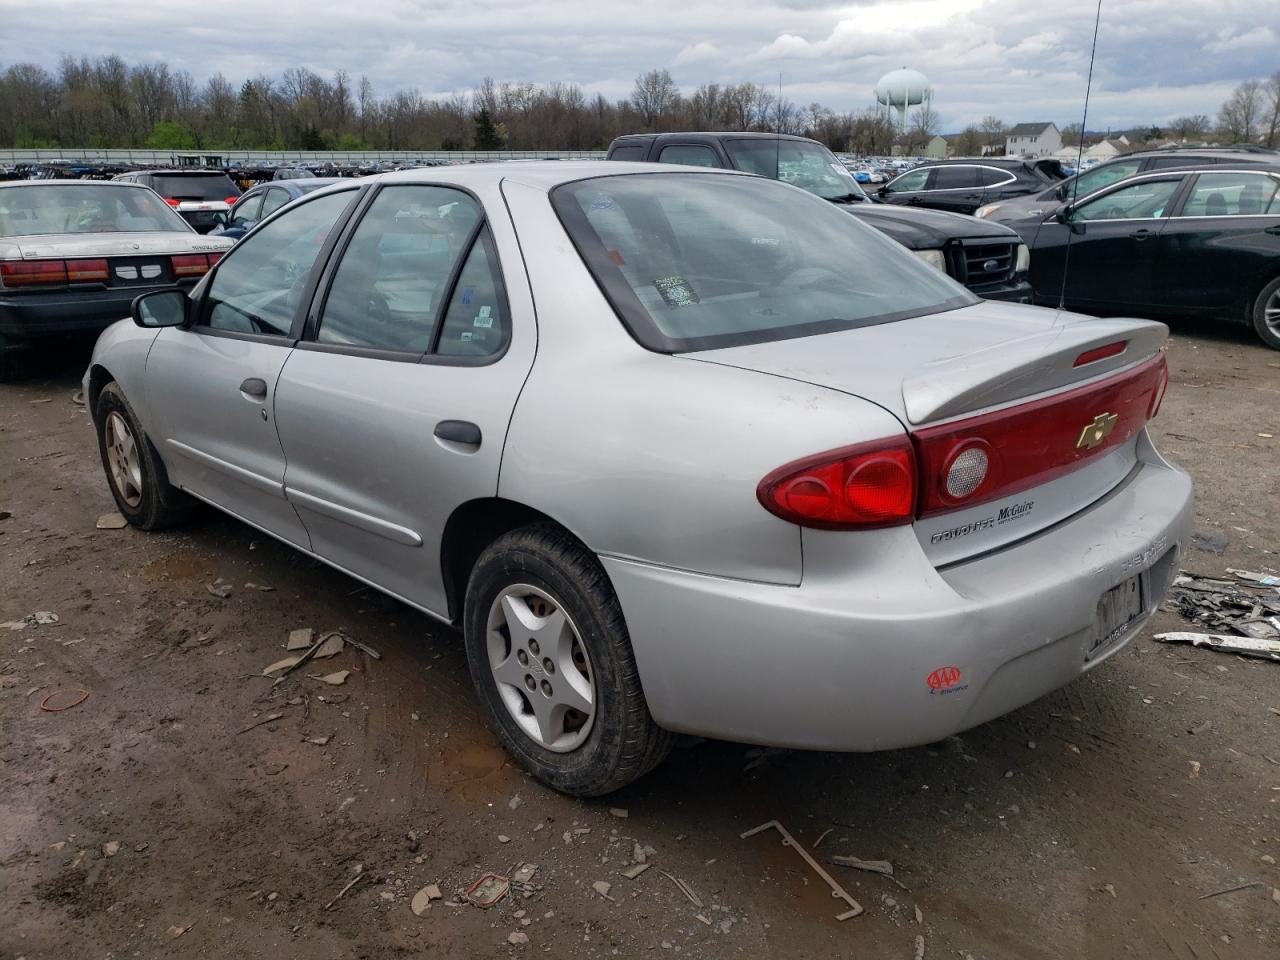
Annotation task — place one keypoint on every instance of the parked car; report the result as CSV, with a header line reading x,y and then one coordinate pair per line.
x,y
611,492
962,186
261,201
74,254
1200,242
292,173
993,264
198,195
1094,178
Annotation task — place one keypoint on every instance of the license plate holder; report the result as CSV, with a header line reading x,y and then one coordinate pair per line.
x,y
1118,608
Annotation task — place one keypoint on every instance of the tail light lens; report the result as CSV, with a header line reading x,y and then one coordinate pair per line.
x,y
214,258
190,265
854,488
87,271
1101,353
171,201
230,200
33,273
965,462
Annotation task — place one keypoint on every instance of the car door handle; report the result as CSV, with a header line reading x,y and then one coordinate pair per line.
x,y
1143,234
459,431
1275,231
254,387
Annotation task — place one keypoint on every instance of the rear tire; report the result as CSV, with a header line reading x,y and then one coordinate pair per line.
x,y
135,473
546,573
1266,314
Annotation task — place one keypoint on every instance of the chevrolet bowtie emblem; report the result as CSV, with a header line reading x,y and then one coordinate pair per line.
x,y
1097,431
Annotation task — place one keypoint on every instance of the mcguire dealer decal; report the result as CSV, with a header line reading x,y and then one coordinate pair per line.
x,y
1014,511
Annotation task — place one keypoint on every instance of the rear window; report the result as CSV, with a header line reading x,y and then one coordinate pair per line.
x,y
628,152
83,208
802,163
697,261
194,186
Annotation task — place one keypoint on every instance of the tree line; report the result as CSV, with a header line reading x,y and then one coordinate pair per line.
x,y
108,103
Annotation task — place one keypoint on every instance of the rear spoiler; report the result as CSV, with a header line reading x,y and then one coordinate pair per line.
x,y
1016,370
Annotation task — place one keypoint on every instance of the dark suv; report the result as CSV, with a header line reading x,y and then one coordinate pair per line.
x,y
1121,168
962,186
988,258
199,196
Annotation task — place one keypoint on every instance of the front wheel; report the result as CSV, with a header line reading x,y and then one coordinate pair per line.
x,y
552,662
1266,314
134,470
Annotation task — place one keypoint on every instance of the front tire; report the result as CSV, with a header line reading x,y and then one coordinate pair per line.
x,y
552,662
135,473
1266,314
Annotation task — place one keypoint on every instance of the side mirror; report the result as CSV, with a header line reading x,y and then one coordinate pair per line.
x,y
1063,213
882,192
161,308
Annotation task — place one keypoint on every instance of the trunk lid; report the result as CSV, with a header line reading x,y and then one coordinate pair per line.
x,y
73,245
982,364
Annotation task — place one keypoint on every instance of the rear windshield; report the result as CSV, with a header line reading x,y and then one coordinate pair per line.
x,y
809,166
195,186
83,208
697,261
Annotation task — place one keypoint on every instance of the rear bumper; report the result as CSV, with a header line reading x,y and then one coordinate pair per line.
x,y
844,660
33,316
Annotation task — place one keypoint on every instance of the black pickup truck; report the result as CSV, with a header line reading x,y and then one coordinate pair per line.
x,y
988,258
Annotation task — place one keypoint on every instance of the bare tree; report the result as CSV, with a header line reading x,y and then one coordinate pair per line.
x,y
655,96
1272,90
993,128
1238,118
969,143
1190,127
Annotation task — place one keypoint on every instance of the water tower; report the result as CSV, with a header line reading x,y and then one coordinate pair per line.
x,y
900,89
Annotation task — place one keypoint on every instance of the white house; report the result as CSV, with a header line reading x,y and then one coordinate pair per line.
x,y
1033,140
1108,148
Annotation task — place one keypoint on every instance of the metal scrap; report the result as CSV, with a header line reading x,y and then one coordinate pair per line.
x,y
1245,646
837,891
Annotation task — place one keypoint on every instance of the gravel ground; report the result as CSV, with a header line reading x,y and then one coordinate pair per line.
x,y
150,820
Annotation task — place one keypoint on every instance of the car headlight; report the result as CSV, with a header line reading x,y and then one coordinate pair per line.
x,y
982,213
1024,259
932,257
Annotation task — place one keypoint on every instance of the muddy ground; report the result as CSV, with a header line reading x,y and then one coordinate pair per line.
x,y
1077,827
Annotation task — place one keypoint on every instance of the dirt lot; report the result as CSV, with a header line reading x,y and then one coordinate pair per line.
x,y
1076,827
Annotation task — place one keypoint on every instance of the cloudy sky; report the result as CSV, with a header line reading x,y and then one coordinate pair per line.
x,y
1019,59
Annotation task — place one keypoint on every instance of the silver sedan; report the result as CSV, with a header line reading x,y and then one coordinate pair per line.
x,y
679,451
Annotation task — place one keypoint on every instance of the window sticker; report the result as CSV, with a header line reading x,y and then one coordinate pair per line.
x,y
484,318
676,292
467,294
602,202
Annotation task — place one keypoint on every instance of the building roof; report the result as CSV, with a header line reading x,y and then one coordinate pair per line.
x,y
1028,129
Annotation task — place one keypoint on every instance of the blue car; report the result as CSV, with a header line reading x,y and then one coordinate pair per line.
x,y
261,201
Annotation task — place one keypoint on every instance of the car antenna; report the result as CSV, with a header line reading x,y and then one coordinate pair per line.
x,y
777,134
1075,186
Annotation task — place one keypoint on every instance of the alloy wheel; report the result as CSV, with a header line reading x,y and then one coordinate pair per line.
x,y
1271,313
123,461
541,667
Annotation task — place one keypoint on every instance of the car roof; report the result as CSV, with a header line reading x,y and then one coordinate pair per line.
x,y
540,174
728,134
11,184
185,173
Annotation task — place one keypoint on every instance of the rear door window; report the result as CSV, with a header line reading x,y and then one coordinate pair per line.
x,y
691,154
1103,176
1231,195
991,177
910,182
631,151
246,211
955,178
276,197
388,291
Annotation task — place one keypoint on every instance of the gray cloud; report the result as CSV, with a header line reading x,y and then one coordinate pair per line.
x,y
1156,58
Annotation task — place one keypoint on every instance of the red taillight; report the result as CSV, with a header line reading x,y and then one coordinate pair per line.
x,y
190,265
1101,353
33,273
1036,442
230,200
869,485
1162,385
215,257
87,271
171,201
965,462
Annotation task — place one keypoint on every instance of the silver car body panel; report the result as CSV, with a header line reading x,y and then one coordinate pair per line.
x,y
73,245
744,626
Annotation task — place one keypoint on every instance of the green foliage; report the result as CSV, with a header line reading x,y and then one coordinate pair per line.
x,y
171,135
487,136
350,141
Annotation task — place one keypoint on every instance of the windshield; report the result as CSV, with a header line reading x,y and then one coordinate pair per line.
x,y
88,208
195,186
801,163
697,261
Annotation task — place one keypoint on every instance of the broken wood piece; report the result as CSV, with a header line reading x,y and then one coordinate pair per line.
x,y
635,870
1237,889
354,880
300,639
883,867
602,887
837,891
330,646
333,679
1245,646
684,888
284,664
269,718
310,652
364,647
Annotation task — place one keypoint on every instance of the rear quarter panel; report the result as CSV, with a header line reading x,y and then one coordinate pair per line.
x,y
653,457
